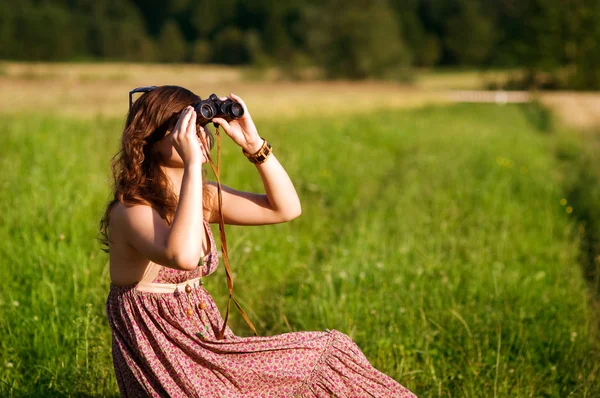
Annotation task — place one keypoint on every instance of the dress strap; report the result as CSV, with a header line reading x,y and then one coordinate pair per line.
x,y
150,273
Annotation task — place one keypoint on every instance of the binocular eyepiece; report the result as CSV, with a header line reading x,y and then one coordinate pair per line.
x,y
213,107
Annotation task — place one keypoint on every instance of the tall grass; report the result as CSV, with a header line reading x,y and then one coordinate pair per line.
x,y
580,164
435,238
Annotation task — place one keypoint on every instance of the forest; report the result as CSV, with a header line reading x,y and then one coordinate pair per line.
x,y
553,41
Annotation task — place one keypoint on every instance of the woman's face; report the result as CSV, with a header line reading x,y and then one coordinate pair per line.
x,y
169,157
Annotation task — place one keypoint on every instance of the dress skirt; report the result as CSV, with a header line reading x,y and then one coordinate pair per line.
x,y
164,344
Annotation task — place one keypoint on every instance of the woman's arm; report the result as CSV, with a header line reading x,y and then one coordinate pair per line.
x,y
179,245
280,203
184,240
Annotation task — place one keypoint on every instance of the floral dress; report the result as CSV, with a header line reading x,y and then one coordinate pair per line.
x,y
164,345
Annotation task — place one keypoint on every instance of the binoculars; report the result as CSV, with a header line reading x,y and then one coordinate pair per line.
x,y
213,107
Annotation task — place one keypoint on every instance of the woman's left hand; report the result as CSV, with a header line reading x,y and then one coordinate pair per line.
x,y
242,131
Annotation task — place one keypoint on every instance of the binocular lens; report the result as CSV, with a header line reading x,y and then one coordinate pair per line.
x,y
224,107
232,109
236,110
207,111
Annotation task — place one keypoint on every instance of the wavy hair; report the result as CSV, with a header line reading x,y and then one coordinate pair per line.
x,y
137,175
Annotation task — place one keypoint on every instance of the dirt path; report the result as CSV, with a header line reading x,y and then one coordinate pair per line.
x,y
576,109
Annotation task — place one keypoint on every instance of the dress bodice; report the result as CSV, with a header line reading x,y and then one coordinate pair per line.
x,y
208,265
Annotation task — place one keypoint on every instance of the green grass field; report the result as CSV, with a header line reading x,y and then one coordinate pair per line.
x,y
436,238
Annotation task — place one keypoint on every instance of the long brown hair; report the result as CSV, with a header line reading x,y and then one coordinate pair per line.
x,y
138,177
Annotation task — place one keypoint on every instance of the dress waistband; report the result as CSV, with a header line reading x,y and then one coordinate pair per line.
x,y
168,287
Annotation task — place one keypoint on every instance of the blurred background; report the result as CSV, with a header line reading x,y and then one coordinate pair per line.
x,y
446,153
423,46
550,44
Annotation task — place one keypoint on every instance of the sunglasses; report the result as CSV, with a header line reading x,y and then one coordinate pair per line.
x,y
145,89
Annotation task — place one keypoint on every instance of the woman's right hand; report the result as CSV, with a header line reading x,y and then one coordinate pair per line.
x,y
185,139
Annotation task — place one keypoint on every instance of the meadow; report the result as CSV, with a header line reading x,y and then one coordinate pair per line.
x,y
443,239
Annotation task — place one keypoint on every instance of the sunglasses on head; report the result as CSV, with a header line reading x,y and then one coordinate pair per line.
x,y
145,89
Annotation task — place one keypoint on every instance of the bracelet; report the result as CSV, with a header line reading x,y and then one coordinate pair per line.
x,y
261,155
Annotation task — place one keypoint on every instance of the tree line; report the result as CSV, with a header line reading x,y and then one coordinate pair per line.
x,y
553,41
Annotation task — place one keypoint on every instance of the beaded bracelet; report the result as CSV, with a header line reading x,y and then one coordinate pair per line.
x,y
261,155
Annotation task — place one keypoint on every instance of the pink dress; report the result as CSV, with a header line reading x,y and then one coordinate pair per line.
x,y
161,348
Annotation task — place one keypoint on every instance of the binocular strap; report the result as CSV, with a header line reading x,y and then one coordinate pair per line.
x,y
217,171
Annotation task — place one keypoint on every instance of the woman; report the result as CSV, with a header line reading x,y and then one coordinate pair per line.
x,y
166,327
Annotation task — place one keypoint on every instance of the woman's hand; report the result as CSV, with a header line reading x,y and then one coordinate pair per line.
x,y
242,131
185,139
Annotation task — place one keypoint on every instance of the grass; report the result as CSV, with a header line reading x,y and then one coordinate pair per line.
x,y
435,238
580,163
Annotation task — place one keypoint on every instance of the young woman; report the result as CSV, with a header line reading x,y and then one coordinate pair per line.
x,y
166,328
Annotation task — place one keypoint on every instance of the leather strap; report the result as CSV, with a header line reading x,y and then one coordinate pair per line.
x,y
217,171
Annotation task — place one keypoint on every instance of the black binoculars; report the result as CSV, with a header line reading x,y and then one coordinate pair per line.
x,y
213,107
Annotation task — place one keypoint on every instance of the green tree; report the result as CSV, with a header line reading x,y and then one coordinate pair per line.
x,y
581,44
44,32
114,30
277,41
356,39
430,52
529,33
7,28
201,52
255,48
424,46
468,34
171,44
530,36
230,47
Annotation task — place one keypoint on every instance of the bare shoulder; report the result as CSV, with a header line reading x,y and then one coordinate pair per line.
x,y
123,215
128,222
